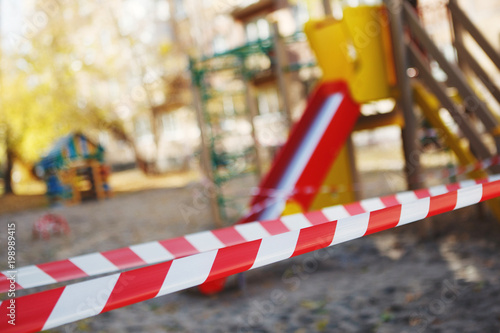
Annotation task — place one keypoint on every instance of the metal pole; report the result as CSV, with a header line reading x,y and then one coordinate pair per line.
x,y
405,100
252,112
205,155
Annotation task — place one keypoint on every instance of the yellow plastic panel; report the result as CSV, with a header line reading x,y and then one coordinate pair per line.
x,y
340,181
329,40
338,187
354,49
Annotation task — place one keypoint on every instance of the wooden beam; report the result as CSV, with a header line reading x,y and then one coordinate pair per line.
x,y
405,99
379,120
457,112
478,71
463,20
455,75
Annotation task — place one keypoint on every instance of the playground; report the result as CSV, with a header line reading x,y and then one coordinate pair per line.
x,y
336,172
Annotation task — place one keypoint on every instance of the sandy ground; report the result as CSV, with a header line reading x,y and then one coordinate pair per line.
x,y
388,282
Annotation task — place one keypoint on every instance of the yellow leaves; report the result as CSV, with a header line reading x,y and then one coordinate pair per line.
x,y
36,110
165,48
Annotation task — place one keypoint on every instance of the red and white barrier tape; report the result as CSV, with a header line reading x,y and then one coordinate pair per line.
x,y
479,165
63,305
447,172
97,263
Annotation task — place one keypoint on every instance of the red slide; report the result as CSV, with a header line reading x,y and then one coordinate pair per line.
x,y
305,159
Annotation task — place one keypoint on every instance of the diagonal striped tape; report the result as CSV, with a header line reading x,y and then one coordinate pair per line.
x,y
63,305
159,251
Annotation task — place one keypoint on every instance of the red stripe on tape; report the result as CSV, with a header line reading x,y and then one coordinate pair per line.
x,y
354,208
442,203
5,284
390,200
179,247
31,312
491,190
422,193
316,217
147,282
315,238
383,219
124,258
228,236
62,270
453,187
275,227
226,263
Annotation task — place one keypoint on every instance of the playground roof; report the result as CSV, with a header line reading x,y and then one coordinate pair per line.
x,y
74,146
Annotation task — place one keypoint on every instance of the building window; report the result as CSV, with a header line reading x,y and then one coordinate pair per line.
x,y
219,44
171,128
180,11
268,101
301,15
257,30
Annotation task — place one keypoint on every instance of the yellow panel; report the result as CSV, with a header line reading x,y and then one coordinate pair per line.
x,y
292,207
354,49
329,40
366,30
339,177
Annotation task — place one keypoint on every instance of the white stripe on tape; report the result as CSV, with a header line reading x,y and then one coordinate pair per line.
x,y
204,241
372,204
413,211
467,183
295,221
275,248
494,178
188,272
351,228
335,212
251,231
32,276
93,264
152,252
405,197
469,196
438,190
79,301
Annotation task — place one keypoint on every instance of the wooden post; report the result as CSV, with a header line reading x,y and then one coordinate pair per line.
x,y
281,63
405,100
77,198
96,175
457,39
327,8
354,169
205,156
